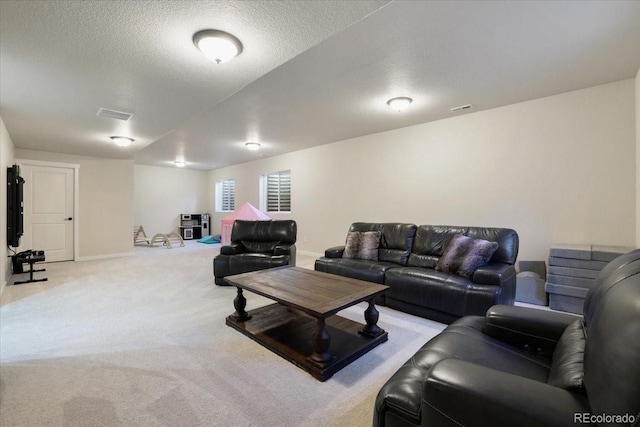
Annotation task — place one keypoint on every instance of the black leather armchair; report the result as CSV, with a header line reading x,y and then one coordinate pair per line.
x,y
256,245
520,366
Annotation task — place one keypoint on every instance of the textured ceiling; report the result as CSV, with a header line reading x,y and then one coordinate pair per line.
x,y
311,73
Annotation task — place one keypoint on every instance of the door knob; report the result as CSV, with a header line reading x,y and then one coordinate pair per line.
x,y
68,219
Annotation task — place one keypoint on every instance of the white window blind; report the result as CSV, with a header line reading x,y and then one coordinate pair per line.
x,y
278,192
226,195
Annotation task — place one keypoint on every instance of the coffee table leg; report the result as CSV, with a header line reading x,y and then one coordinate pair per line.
x,y
239,303
371,315
321,342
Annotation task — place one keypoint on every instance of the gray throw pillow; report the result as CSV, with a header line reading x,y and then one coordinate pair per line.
x,y
464,255
362,245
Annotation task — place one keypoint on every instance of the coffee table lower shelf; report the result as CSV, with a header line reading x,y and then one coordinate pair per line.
x,y
288,333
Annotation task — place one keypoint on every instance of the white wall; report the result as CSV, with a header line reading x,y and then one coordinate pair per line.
x,y
106,202
558,170
7,150
162,194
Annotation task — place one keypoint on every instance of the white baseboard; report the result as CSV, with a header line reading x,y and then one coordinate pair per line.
x,y
98,257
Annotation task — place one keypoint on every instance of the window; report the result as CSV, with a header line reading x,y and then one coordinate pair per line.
x,y
226,195
276,192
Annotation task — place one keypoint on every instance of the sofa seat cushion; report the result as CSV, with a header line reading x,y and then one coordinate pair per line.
x,y
245,263
259,247
464,340
428,288
371,271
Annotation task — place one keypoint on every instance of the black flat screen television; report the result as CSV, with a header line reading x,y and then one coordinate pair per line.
x,y
15,223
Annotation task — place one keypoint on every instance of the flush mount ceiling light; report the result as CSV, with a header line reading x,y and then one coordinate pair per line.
x,y
253,146
400,103
217,45
122,141
180,163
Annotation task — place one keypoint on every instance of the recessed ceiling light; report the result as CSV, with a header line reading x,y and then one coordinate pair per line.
x,y
217,45
400,103
253,146
122,141
180,163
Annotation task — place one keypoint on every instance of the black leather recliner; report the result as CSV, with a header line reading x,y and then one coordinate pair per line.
x,y
527,367
256,245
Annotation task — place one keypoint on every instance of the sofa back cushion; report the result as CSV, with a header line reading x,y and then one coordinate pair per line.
x,y
431,241
612,351
263,236
611,274
396,239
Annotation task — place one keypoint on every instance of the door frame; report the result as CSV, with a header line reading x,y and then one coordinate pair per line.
x,y
76,198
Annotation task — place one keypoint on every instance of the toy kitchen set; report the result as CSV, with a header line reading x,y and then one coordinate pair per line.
x,y
194,226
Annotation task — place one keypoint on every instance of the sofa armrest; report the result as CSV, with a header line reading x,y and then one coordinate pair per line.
x,y
533,328
282,249
335,252
231,249
495,273
469,394
289,250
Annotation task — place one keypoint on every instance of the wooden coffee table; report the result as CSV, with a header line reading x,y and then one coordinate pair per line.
x,y
302,326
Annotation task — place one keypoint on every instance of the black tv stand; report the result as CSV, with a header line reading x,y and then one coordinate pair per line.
x,y
28,257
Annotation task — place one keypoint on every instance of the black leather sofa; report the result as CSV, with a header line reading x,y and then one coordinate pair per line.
x,y
527,367
256,245
407,257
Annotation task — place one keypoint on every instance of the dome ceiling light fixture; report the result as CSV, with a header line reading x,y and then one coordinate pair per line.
x,y
399,103
253,146
217,45
122,141
180,163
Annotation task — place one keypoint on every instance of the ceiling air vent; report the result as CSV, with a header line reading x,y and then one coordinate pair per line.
x,y
113,114
460,108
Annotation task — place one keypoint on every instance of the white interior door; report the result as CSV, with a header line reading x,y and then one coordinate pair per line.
x,y
48,211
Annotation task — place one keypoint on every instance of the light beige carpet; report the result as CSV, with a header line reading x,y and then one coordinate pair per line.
x,y
141,341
